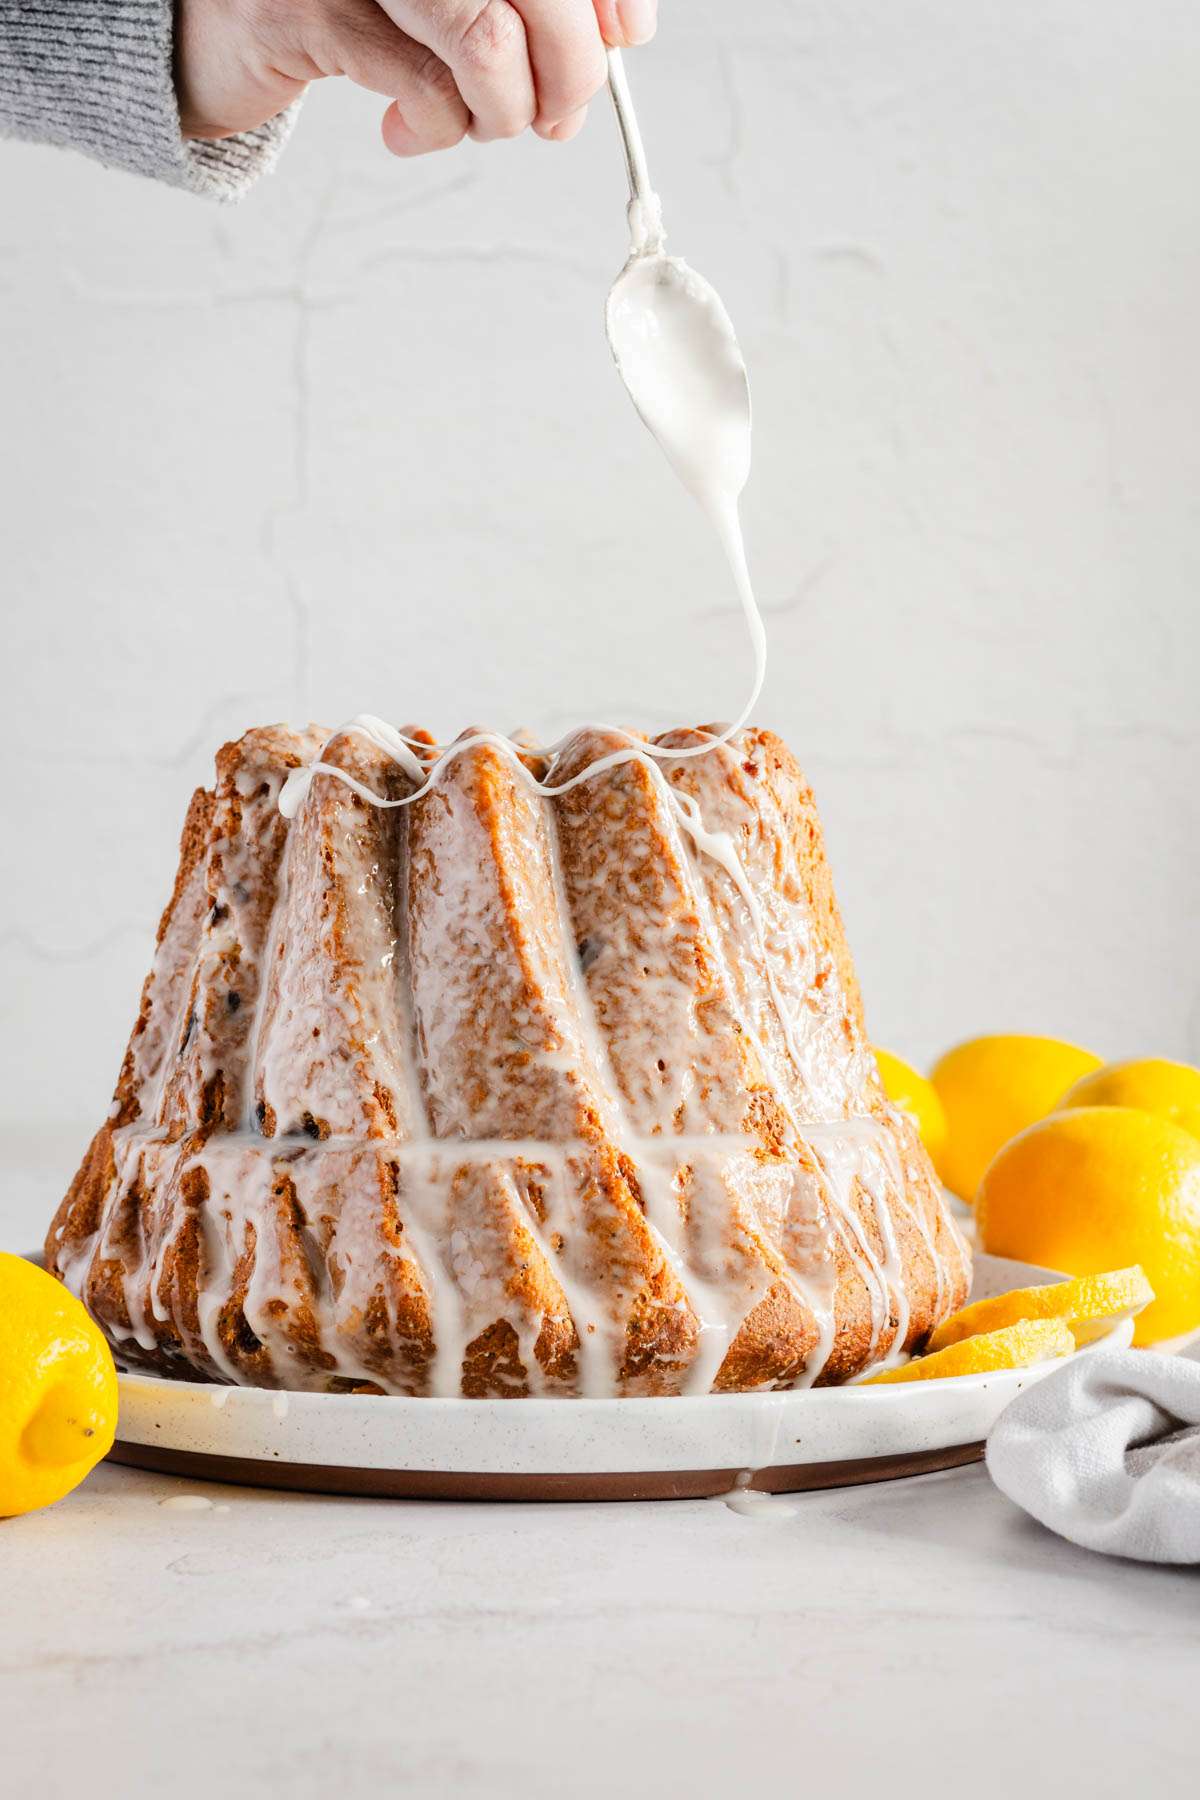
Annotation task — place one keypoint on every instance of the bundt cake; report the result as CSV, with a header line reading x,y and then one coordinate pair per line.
x,y
497,1094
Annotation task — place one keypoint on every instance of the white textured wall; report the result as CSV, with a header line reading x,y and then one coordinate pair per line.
x,y
358,444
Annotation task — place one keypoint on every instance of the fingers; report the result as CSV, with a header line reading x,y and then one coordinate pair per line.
x,y
566,53
483,44
427,111
519,62
413,127
625,23
487,67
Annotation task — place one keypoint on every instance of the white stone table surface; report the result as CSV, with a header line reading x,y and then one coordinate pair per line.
x,y
905,1639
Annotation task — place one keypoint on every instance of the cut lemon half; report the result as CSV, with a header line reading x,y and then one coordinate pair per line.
x,y
1016,1347
1089,1305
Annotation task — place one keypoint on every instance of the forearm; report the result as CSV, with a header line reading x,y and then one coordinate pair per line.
x,y
96,76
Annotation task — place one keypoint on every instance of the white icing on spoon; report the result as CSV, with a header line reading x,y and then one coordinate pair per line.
x,y
677,353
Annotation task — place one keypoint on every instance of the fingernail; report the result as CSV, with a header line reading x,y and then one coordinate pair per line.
x,y
637,19
566,128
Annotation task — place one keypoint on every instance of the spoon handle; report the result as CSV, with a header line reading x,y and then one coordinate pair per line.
x,y
631,137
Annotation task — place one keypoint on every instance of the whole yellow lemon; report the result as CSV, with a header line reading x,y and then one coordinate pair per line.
x,y
1097,1187
1151,1083
915,1096
991,1088
58,1390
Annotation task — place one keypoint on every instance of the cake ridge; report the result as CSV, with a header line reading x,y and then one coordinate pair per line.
x,y
707,954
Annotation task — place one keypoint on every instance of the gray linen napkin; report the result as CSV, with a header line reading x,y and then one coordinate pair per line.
x,y
1106,1451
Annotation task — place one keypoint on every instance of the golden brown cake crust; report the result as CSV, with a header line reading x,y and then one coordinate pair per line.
x,y
495,1095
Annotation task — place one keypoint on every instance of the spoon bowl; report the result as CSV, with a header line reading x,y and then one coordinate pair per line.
x,y
677,354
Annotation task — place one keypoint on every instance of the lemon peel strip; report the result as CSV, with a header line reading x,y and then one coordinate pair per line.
x,y
1015,1347
1089,1305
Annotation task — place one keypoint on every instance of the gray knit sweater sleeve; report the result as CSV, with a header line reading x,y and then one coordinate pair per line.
x,y
96,75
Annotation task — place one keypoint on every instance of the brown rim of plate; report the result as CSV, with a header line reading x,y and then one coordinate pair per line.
x,y
434,1484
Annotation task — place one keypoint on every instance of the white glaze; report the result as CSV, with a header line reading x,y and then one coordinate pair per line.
x,y
461,1202
755,1503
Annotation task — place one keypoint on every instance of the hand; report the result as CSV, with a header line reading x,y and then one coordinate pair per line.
x,y
451,68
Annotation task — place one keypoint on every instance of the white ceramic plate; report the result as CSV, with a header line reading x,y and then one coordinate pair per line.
x,y
575,1449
